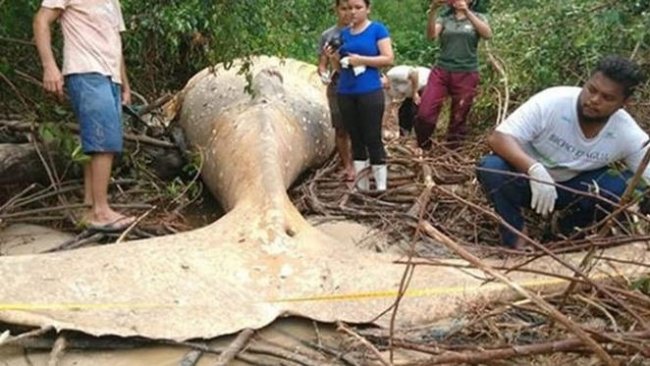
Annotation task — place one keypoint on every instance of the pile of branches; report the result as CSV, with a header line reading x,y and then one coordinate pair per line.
x,y
440,187
417,185
435,208
153,181
495,333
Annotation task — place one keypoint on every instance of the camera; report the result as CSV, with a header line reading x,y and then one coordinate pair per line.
x,y
335,42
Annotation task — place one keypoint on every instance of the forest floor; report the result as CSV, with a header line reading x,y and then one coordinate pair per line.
x,y
438,187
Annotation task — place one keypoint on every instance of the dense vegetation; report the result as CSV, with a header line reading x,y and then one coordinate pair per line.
x,y
540,42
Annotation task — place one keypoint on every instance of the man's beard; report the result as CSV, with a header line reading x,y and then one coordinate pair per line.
x,y
589,120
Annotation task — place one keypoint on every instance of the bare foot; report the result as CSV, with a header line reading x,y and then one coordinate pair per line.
x,y
349,174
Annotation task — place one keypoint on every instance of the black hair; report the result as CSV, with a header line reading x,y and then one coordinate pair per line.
x,y
621,70
479,6
338,2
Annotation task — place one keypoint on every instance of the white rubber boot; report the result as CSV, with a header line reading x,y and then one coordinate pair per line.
x,y
380,172
363,183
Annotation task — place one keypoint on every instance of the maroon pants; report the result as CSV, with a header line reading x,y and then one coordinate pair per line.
x,y
461,86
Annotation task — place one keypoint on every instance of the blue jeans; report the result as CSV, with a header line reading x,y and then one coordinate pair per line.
x,y
509,194
97,104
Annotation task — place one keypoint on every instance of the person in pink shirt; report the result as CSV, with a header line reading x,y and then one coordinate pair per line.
x,y
94,76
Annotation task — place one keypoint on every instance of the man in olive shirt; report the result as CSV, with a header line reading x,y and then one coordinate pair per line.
x,y
456,71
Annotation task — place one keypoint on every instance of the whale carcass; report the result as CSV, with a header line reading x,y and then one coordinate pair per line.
x,y
262,260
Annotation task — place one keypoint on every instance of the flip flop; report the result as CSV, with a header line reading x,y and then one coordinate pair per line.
x,y
116,226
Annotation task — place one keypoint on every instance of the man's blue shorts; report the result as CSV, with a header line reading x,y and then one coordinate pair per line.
x,y
96,101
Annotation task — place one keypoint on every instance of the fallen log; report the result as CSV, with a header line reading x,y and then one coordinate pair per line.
x,y
19,163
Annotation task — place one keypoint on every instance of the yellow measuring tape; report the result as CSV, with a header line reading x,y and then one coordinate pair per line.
x,y
435,291
419,292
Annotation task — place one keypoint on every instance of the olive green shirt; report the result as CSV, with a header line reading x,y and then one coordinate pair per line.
x,y
458,43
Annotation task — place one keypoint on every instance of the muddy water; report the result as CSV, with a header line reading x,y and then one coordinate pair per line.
x,y
27,239
283,332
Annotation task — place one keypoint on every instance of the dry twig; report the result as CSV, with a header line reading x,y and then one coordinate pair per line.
x,y
235,347
550,310
341,327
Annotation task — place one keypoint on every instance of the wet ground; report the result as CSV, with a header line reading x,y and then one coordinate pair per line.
x,y
287,334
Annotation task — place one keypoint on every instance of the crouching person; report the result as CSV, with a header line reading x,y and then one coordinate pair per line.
x,y
406,85
566,137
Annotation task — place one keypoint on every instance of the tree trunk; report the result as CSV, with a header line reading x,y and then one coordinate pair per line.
x,y
20,163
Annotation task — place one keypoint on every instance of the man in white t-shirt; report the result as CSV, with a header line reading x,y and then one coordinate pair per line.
x,y
95,77
566,137
405,85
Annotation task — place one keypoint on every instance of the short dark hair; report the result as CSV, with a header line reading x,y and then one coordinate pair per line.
x,y
623,71
338,2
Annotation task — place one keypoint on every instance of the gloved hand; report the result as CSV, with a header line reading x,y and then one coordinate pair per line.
x,y
543,195
345,62
325,77
359,69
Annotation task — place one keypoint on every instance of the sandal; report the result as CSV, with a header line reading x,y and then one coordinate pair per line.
x,y
116,226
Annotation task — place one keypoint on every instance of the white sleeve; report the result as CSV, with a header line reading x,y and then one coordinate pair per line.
x,y
638,149
55,4
399,73
122,27
528,121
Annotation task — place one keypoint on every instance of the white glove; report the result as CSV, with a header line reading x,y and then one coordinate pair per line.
x,y
325,77
345,62
543,194
358,70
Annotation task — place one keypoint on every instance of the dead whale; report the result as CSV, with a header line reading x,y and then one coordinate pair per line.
x,y
262,260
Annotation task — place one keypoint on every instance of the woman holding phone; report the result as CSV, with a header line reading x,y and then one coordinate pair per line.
x,y
456,71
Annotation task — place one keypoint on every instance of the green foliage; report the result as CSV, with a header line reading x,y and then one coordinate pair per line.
x,y
16,18
642,285
193,166
541,42
552,42
61,139
172,40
